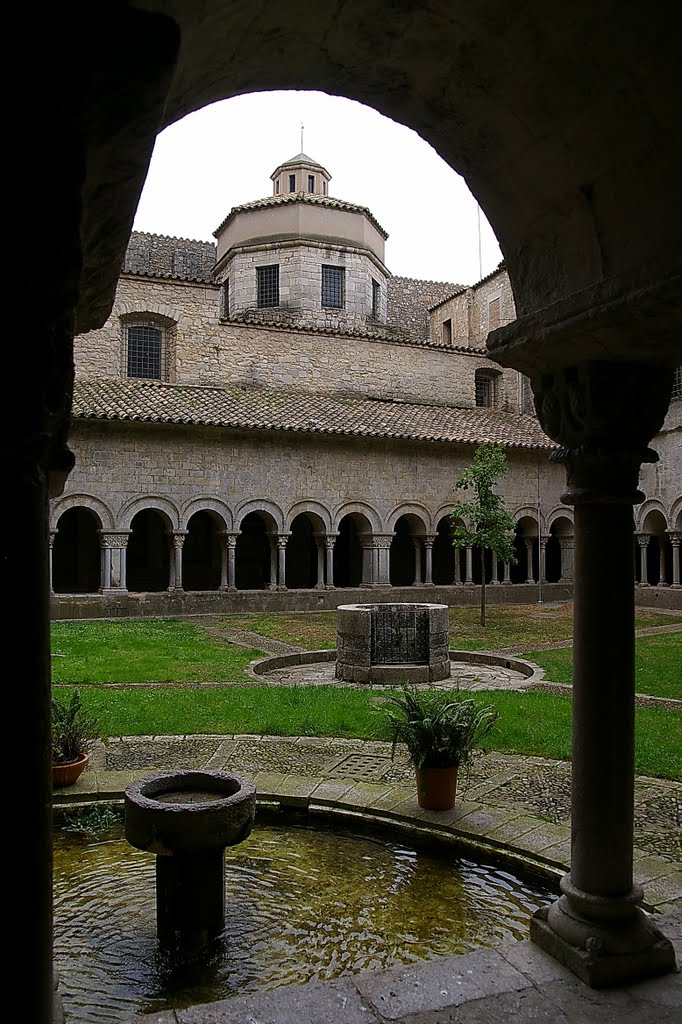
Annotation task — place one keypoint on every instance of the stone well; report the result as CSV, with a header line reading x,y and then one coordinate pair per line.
x,y
392,643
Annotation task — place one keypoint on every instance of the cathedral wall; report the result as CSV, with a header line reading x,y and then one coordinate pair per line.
x,y
124,464
210,351
661,481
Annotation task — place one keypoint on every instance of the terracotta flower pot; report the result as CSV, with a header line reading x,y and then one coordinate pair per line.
x,y
436,788
67,774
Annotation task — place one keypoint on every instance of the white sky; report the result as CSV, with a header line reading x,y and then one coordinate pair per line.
x,y
223,155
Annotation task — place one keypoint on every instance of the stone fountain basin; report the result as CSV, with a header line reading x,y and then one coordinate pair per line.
x,y
188,812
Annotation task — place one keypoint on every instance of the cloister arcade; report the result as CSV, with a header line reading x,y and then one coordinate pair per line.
x,y
154,548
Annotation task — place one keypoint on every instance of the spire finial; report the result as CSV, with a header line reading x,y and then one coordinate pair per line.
x,y
301,136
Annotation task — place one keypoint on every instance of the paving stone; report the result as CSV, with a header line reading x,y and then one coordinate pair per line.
x,y
330,791
661,890
544,836
334,1002
524,1007
439,984
646,867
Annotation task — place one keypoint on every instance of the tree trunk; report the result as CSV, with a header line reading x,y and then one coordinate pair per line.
x,y
482,550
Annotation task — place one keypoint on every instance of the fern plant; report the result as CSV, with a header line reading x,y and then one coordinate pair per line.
x,y
440,728
74,730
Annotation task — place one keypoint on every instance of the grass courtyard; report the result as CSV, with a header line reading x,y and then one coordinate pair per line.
x,y
102,656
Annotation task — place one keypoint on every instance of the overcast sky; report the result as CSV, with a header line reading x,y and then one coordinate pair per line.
x,y
223,155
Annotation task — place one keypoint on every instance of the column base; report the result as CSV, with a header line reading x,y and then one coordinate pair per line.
x,y
329,586
603,954
319,586
228,589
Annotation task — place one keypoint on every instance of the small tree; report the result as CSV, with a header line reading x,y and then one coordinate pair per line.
x,y
483,522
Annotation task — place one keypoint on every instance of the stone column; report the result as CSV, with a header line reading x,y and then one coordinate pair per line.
x,y
458,568
123,563
507,572
567,567
383,543
370,563
53,534
228,553
661,561
272,539
598,412
282,539
469,570
643,541
417,544
177,540
676,541
428,549
113,546
329,543
319,543
542,554
495,581
529,541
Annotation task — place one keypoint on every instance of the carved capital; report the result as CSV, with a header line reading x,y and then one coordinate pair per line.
x,y
603,414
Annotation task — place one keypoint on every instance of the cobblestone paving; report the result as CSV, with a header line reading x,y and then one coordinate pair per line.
x,y
466,677
530,785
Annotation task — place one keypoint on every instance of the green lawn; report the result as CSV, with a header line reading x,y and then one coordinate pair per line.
x,y
658,665
144,651
93,654
507,626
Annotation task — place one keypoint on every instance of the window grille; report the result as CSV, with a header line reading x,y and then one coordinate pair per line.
x,y
376,299
332,287
447,332
268,286
144,351
485,390
677,384
311,182
292,182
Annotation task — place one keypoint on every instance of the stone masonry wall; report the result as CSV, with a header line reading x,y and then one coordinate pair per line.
x,y
209,351
128,466
300,283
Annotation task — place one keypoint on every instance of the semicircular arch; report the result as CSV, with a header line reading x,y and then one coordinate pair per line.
x,y
94,505
269,509
154,503
315,508
413,508
360,508
207,504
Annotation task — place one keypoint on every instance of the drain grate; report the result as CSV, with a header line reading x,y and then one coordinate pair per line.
x,y
359,766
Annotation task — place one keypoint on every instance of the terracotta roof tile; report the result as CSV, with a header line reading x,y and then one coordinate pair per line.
x,y
256,408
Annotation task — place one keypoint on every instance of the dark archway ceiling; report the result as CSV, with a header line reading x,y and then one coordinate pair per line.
x,y
563,118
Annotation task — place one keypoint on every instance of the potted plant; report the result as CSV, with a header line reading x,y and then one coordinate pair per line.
x,y
441,730
74,733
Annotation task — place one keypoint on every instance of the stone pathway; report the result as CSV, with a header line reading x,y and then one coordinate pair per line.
x,y
466,677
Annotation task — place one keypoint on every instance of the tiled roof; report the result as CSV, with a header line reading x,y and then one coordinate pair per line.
x,y
255,408
301,197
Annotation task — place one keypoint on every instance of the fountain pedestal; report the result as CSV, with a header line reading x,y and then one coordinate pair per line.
x,y
188,818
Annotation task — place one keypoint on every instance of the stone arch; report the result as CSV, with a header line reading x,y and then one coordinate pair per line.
x,y
167,315
559,546
76,546
405,558
352,551
150,549
215,505
154,503
415,512
656,558
676,514
644,513
360,508
526,546
202,552
447,559
305,556
314,508
98,507
269,510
